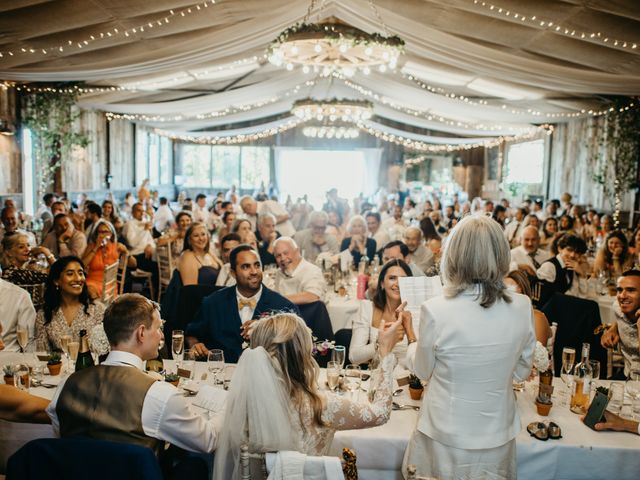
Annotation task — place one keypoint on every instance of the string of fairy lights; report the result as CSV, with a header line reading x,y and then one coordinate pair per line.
x,y
109,34
542,21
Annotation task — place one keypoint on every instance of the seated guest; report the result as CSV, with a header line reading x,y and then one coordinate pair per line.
x,y
138,237
297,279
110,214
513,228
334,225
11,224
65,240
118,401
428,229
373,317
227,244
226,316
626,329
397,250
67,306
250,210
18,259
565,271
357,242
396,224
518,281
17,312
283,221
196,265
163,218
250,239
275,403
379,234
314,240
532,220
228,218
57,208
549,231
176,234
469,420
103,250
92,214
241,226
19,406
613,257
418,253
528,256
566,223
266,235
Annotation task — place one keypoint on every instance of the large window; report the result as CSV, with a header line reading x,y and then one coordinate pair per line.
x,y
153,158
525,163
222,166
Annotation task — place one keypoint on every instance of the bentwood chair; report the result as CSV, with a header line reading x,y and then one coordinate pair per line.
x,y
122,272
165,268
411,474
110,283
36,291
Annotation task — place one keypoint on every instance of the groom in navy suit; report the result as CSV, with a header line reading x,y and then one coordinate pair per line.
x,y
225,318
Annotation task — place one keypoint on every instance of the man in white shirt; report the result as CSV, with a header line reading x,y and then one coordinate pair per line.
x,y
163,218
297,279
396,224
17,312
283,223
418,253
200,212
139,239
10,224
64,239
514,227
118,401
228,243
397,250
528,256
375,231
249,210
315,240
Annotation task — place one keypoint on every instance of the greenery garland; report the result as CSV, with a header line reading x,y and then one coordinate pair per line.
x,y
620,139
50,117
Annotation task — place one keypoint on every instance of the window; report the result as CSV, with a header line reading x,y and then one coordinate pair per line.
x,y
222,166
153,158
525,163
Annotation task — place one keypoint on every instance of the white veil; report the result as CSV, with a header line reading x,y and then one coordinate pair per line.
x,y
258,412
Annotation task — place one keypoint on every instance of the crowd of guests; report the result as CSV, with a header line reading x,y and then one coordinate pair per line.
x,y
494,261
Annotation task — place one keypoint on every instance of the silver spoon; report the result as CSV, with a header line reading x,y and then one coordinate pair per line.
x,y
397,392
397,406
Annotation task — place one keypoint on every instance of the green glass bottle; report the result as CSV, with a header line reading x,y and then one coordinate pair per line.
x,y
85,359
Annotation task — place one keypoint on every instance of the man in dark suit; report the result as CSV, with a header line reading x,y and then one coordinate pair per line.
x,y
225,318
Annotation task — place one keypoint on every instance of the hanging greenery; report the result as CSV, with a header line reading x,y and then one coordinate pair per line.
x,y
618,153
50,117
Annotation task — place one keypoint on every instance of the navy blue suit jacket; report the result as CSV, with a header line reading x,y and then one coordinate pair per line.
x,y
218,323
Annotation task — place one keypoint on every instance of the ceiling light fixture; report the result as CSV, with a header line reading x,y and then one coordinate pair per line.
x,y
332,110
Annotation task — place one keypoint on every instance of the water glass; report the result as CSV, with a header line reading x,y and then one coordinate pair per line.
x,y
352,379
595,374
22,377
616,397
338,355
215,363
37,373
189,362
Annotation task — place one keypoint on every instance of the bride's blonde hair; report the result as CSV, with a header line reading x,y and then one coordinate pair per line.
x,y
288,341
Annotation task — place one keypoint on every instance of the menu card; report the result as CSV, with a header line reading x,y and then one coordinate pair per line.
x,y
415,291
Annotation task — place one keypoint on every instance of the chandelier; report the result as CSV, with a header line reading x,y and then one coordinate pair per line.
x,y
330,131
332,45
332,110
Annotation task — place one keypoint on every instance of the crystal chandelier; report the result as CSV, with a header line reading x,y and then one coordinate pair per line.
x,y
331,45
332,110
330,131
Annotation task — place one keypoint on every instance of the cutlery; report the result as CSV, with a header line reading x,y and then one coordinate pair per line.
x,y
397,392
397,406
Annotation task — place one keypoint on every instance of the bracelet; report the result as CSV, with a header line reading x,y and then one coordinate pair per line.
x,y
409,342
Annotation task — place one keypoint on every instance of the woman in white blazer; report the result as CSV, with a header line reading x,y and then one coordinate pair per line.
x,y
474,341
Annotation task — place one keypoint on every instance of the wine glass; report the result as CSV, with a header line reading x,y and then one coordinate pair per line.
x,y
633,389
64,344
352,379
338,355
595,369
333,375
215,364
566,374
22,335
177,345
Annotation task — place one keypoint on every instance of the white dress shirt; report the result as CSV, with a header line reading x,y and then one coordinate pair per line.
x,y
163,218
17,311
306,277
224,278
512,232
165,413
381,237
200,214
519,256
246,312
285,228
137,236
471,355
422,257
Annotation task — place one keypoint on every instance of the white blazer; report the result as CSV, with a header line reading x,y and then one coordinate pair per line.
x,y
471,355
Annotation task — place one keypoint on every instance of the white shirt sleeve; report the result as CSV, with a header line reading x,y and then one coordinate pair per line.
x,y
421,359
51,408
167,416
313,282
362,347
547,272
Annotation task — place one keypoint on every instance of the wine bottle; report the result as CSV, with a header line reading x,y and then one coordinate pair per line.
x,y
582,383
84,359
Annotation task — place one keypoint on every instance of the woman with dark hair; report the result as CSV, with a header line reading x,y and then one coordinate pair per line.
x,y
242,227
67,306
518,281
566,223
374,316
228,218
103,250
275,404
613,257
549,231
176,235
428,228
110,214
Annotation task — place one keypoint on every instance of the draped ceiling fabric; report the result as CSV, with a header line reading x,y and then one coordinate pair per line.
x,y
189,70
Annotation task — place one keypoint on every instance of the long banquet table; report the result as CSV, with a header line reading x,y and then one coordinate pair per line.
x,y
581,454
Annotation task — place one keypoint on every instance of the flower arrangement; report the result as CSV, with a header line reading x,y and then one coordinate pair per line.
x,y
541,358
324,347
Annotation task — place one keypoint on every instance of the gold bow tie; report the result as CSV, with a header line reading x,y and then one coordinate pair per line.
x,y
246,303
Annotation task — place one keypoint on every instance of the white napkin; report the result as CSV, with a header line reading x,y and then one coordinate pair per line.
x,y
211,398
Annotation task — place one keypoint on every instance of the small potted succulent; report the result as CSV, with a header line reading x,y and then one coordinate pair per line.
x,y
415,387
9,372
172,378
54,364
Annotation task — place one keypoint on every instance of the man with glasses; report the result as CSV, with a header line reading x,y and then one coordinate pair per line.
x,y
315,240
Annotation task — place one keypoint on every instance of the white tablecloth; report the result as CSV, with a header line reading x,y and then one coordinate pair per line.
x,y
581,454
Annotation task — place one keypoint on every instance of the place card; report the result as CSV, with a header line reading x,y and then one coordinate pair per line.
x,y
184,373
402,381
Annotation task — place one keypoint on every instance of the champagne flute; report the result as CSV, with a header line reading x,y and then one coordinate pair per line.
x,y
22,335
73,347
338,355
566,374
177,345
352,379
215,364
333,375
64,344
595,368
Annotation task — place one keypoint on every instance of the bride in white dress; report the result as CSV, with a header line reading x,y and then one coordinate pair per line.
x,y
274,401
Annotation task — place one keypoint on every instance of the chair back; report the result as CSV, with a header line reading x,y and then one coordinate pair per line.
x,y
82,458
412,475
110,283
165,267
122,272
36,291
